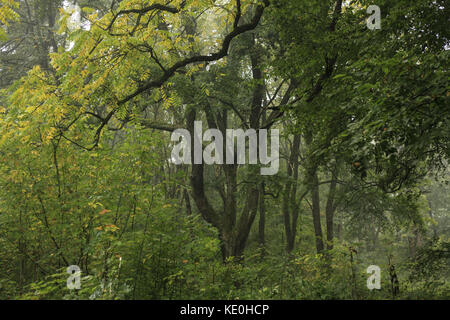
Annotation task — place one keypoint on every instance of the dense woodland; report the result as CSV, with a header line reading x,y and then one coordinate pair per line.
x,y
90,92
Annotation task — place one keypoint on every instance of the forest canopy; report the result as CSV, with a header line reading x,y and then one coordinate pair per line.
x,y
92,92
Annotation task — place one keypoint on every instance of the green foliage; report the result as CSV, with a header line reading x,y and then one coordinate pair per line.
x,y
87,179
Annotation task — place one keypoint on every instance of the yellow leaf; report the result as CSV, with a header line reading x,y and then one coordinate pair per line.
x,y
104,211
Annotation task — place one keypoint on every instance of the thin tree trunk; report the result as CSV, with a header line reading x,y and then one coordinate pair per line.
x,y
316,210
290,206
330,208
262,218
187,200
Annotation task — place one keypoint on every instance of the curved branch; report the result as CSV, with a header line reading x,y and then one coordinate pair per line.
x,y
143,11
223,52
170,72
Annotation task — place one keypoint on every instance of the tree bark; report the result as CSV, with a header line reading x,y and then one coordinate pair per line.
x,y
316,210
330,209
262,218
290,206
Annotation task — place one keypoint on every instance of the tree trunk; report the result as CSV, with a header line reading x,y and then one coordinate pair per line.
x,y
330,208
262,218
290,206
233,234
316,210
